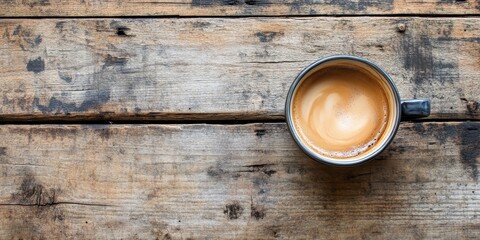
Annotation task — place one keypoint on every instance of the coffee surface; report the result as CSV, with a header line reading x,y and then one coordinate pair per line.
x,y
340,112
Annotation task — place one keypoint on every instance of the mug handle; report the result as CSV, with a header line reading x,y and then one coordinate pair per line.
x,y
415,108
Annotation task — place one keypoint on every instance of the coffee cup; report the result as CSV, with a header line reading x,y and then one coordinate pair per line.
x,y
344,110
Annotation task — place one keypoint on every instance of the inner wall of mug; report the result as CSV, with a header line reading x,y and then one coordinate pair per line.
x,y
392,102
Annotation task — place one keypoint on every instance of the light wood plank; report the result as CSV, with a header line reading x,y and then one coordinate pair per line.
x,y
49,8
232,181
214,68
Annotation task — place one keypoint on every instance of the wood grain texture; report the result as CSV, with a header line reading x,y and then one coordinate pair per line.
x,y
214,68
233,181
49,8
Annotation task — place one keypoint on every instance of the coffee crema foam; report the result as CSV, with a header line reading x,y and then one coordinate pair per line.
x,y
340,112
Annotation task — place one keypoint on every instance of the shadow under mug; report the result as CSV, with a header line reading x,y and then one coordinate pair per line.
x,y
412,108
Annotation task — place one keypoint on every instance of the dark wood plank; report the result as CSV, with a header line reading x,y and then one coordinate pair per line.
x,y
214,68
232,181
50,8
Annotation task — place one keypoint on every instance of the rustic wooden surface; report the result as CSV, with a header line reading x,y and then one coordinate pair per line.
x,y
234,7
233,181
204,68
228,63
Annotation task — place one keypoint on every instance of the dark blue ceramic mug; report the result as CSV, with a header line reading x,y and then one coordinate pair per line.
x,y
397,109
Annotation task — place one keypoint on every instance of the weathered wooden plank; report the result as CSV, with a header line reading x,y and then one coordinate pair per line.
x,y
117,8
232,181
214,68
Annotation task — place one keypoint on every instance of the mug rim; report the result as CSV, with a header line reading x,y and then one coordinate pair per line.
x,y
317,156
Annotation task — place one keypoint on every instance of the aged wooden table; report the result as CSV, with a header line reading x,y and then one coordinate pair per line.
x,y
164,120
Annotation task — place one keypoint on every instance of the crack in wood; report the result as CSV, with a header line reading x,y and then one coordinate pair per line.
x,y
56,203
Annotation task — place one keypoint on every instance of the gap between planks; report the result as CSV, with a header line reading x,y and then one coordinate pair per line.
x,y
250,16
195,122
